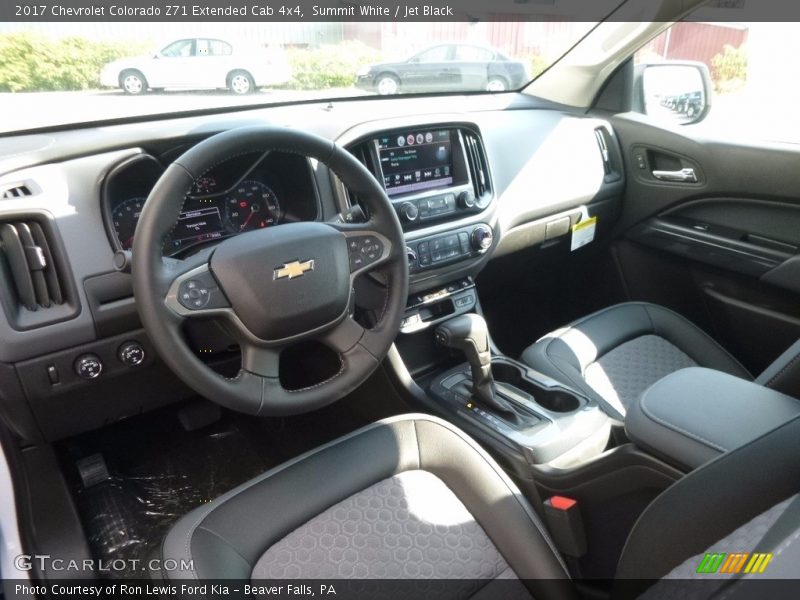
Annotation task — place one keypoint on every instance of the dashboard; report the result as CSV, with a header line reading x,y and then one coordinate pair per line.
x,y
501,174
248,192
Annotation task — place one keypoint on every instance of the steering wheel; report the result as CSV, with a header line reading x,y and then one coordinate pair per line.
x,y
273,287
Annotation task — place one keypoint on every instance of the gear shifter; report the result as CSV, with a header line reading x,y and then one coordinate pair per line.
x,y
470,334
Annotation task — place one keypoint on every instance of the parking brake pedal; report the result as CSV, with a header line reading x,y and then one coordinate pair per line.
x,y
92,469
199,414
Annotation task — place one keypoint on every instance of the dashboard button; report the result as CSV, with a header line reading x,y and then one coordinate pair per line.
x,y
466,199
482,238
409,211
131,353
88,366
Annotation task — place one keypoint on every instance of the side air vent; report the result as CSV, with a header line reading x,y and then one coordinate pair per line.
x,y
19,190
363,155
609,157
36,287
478,166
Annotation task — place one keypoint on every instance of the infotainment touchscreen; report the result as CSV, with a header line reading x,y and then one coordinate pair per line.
x,y
414,161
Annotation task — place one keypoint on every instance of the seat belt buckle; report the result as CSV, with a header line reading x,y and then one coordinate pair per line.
x,y
564,521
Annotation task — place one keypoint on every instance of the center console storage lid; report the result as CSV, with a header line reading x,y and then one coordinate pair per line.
x,y
693,415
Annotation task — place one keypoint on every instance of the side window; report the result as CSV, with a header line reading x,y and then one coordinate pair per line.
x,y
213,48
437,54
181,48
752,68
219,48
473,54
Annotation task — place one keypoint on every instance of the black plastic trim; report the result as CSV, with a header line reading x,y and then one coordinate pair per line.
x,y
714,246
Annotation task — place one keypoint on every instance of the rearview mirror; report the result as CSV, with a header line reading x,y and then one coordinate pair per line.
x,y
678,93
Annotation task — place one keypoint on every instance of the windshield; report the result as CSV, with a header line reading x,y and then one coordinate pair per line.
x,y
65,73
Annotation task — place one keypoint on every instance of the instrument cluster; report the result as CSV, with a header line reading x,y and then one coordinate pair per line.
x,y
249,192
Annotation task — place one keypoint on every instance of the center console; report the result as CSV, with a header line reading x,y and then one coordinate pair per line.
x,y
438,180
695,414
430,174
550,424
544,421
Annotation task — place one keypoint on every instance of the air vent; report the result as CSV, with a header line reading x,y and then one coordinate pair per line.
x,y
478,166
362,154
33,276
609,167
19,190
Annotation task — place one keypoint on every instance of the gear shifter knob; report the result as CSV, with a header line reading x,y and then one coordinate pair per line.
x,y
470,334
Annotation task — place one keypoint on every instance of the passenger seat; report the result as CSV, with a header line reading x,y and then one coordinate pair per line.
x,y
615,354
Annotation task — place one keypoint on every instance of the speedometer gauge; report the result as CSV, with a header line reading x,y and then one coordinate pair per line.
x,y
252,205
125,216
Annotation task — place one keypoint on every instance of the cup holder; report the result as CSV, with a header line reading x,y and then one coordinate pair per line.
x,y
549,399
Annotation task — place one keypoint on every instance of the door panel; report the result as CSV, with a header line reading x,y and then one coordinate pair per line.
x,y
721,247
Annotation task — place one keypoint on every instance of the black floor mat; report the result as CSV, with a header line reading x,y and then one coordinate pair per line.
x,y
127,516
159,472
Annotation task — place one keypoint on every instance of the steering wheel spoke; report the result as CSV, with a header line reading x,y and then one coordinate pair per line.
x,y
344,336
260,360
366,248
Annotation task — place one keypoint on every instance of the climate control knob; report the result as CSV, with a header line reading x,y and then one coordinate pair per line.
x,y
409,211
88,366
482,238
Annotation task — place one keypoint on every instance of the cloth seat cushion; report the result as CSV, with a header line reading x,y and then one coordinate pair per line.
x,y
615,354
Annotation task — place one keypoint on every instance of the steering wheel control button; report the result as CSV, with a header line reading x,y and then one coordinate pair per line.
x,y
364,250
201,292
88,366
194,295
131,354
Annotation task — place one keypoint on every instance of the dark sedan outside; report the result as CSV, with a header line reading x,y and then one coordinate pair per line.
x,y
462,67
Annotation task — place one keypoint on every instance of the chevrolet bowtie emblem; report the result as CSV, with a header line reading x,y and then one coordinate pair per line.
x,y
293,269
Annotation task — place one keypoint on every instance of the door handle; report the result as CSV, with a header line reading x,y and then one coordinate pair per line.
x,y
686,175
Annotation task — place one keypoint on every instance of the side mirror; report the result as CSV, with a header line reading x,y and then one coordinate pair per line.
x,y
673,92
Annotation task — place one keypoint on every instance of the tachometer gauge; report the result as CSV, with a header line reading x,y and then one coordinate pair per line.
x,y
125,216
252,205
